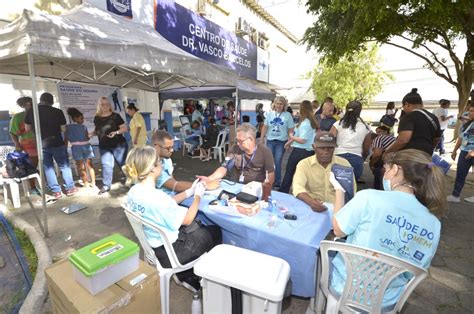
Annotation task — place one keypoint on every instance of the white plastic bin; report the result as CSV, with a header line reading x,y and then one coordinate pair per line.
x,y
261,278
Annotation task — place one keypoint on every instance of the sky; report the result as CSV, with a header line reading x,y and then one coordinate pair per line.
x,y
406,68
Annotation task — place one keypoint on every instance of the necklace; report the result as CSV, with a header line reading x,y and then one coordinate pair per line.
x,y
396,185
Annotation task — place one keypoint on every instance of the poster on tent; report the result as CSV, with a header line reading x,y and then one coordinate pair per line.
x,y
84,98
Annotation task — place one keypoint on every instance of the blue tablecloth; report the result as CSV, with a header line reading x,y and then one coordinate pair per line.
x,y
296,241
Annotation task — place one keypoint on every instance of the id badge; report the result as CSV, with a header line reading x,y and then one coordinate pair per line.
x,y
241,178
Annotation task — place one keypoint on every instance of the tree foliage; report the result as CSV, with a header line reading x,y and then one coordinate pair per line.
x,y
354,78
422,27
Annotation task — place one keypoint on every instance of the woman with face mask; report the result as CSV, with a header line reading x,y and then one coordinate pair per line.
x,y
402,221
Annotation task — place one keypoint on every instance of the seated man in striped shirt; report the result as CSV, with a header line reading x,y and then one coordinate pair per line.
x,y
383,140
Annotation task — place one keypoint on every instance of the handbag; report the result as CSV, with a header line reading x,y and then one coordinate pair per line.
x,y
18,165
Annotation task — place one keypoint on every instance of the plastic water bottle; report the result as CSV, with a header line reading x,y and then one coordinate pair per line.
x,y
272,218
196,305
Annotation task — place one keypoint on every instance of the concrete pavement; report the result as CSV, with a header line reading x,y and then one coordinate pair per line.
x,y
449,288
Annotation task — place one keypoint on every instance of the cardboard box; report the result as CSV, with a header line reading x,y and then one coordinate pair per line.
x,y
139,292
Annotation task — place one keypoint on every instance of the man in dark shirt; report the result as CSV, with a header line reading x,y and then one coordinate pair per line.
x,y
52,123
418,129
251,161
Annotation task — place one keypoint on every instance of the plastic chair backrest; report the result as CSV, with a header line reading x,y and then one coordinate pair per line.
x,y
4,150
220,139
138,225
369,273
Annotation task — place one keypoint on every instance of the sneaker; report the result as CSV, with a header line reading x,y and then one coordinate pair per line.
x,y
57,195
104,189
71,192
453,199
469,199
190,155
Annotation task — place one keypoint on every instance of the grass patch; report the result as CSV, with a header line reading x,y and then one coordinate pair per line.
x,y
28,251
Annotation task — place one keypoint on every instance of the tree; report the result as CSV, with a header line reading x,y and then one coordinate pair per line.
x,y
429,29
354,78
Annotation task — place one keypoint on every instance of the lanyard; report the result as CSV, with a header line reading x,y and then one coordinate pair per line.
x,y
242,165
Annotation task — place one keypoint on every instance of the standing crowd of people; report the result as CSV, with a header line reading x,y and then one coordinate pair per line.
x,y
57,135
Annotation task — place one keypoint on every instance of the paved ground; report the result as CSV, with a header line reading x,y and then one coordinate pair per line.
x,y
449,288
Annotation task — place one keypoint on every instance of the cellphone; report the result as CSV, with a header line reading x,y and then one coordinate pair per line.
x,y
290,216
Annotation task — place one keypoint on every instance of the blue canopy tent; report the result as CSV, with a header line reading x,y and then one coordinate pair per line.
x,y
245,90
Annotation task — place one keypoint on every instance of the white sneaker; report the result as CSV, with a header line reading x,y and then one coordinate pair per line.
x,y
453,199
469,199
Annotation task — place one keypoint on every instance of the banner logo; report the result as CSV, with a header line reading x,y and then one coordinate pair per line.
x,y
120,7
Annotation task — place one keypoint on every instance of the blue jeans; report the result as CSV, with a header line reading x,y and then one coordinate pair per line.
x,y
194,141
297,154
108,156
278,149
461,173
356,162
440,145
59,154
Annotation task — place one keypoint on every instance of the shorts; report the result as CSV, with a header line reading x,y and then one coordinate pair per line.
x,y
82,152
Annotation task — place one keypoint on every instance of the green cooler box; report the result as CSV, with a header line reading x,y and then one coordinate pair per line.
x,y
101,264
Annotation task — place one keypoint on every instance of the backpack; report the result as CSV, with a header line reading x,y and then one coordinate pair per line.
x,y
18,165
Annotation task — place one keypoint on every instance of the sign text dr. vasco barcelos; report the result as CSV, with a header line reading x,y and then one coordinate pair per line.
x,y
205,39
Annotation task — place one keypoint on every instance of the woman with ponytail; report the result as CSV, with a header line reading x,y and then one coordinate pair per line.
x,y
190,239
402,221
353,137
418,129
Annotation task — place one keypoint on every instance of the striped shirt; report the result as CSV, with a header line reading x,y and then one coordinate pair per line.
x,y
382,141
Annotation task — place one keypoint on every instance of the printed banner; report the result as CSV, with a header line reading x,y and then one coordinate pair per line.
x,y
205,39
120,7
84,98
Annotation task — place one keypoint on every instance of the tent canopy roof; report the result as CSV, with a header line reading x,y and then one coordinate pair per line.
x,y
247,90
93,46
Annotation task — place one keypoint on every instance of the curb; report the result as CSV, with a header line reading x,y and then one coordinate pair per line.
x,y
39,291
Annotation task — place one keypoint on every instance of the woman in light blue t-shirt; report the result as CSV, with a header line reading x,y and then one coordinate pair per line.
x,y
301,142
401,221
278,126
190,239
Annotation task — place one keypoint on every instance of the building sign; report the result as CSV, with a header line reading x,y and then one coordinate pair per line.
x,y
120,7
205,39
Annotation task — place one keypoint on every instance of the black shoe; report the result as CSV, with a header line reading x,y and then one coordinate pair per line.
x,y
105,189
190,154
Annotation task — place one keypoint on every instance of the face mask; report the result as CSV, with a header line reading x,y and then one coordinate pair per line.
x,y
387,185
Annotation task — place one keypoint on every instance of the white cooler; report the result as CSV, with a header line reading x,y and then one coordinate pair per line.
x,y
261,278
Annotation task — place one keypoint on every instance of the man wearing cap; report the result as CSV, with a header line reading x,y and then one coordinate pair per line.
x,y
311,180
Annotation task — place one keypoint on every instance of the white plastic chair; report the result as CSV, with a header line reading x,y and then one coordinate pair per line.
x,y
14,183
219,148
138,223
365,269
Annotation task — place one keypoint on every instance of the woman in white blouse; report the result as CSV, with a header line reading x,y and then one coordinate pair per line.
x,y
353,137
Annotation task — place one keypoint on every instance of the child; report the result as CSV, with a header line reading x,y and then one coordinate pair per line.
x,y
82,152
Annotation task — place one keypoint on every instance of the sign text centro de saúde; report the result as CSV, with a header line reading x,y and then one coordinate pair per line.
x,y
205,39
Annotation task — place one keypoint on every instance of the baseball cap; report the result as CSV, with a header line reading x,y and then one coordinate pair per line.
x,y
325,139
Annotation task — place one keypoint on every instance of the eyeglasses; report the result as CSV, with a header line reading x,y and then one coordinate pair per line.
x,y
167,148
240,142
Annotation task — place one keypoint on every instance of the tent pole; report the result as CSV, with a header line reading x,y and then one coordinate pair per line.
x,y
236,113
39,143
